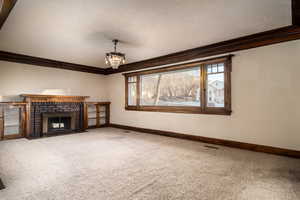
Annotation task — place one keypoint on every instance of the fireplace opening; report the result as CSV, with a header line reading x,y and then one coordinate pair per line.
x,y
56,124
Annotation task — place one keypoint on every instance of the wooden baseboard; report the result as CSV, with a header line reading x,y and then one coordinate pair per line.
x,y
229,143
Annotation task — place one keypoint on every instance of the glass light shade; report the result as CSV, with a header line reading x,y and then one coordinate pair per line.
x,y
115,59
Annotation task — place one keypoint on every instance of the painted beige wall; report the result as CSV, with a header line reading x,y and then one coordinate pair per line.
x,y
17,78
265,99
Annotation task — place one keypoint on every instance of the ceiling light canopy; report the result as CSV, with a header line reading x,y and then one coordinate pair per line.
x,y
115,59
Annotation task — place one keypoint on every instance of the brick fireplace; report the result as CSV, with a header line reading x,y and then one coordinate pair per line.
x,y
52,115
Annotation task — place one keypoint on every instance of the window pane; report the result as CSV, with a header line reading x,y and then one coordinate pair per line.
x,y
11,120
208,68
132,79
221,67
215,90
214,68
132,94
176,88
92,112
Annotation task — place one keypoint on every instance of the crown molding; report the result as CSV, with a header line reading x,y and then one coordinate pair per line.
x,y
31,60
274,36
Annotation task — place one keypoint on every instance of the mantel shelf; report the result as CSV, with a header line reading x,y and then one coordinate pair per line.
x,y
52,98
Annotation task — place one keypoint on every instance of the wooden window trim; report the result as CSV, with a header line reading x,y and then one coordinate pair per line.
x,y
203,109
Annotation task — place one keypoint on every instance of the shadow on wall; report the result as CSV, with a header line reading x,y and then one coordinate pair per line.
x,y
1,185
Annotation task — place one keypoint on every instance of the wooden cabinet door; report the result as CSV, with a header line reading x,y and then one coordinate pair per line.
x,y
12,121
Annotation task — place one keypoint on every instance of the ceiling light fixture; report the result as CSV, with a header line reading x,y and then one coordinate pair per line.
x,y
115,59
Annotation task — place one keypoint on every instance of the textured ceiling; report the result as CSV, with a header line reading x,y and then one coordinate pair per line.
x,y
80,31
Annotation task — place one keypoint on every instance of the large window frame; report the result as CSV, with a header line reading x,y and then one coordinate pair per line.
x,y
203,108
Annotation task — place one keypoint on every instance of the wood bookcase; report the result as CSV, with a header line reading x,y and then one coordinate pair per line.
x,y
100,117
5,107
97,114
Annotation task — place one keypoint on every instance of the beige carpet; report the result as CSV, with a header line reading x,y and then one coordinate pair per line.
x,y
111,164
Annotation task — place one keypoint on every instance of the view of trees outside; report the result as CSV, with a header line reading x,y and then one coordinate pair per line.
x,y
176,88
215,85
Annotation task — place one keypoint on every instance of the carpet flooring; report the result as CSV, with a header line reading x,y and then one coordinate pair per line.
x,y
111,164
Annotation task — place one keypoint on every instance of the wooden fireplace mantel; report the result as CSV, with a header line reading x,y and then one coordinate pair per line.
x,y
33,106
52,98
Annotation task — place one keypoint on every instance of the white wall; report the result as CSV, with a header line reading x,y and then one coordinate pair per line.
x,y
265,102
265,97
18,79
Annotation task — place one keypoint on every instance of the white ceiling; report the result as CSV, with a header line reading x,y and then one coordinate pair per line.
x,y
80,31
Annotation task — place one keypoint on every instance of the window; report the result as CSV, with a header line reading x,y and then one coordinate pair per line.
x,y
201,87
132,89
215,85
173,88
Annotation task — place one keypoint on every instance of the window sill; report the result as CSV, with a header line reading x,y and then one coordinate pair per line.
x,y
187,110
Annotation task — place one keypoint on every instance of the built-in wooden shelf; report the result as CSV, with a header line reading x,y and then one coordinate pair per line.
x,y
98,109
101,112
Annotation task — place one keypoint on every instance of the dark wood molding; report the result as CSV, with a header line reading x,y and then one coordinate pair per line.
x,y
275,36
279,35
296,12
270,37
203,109
25,59
8,5
181,66
229,143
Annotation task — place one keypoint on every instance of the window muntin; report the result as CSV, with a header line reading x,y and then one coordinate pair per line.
x,y
132,91
215,85
202,87
173,88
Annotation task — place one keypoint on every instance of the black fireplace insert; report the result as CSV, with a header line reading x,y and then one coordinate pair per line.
x,y
58,124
